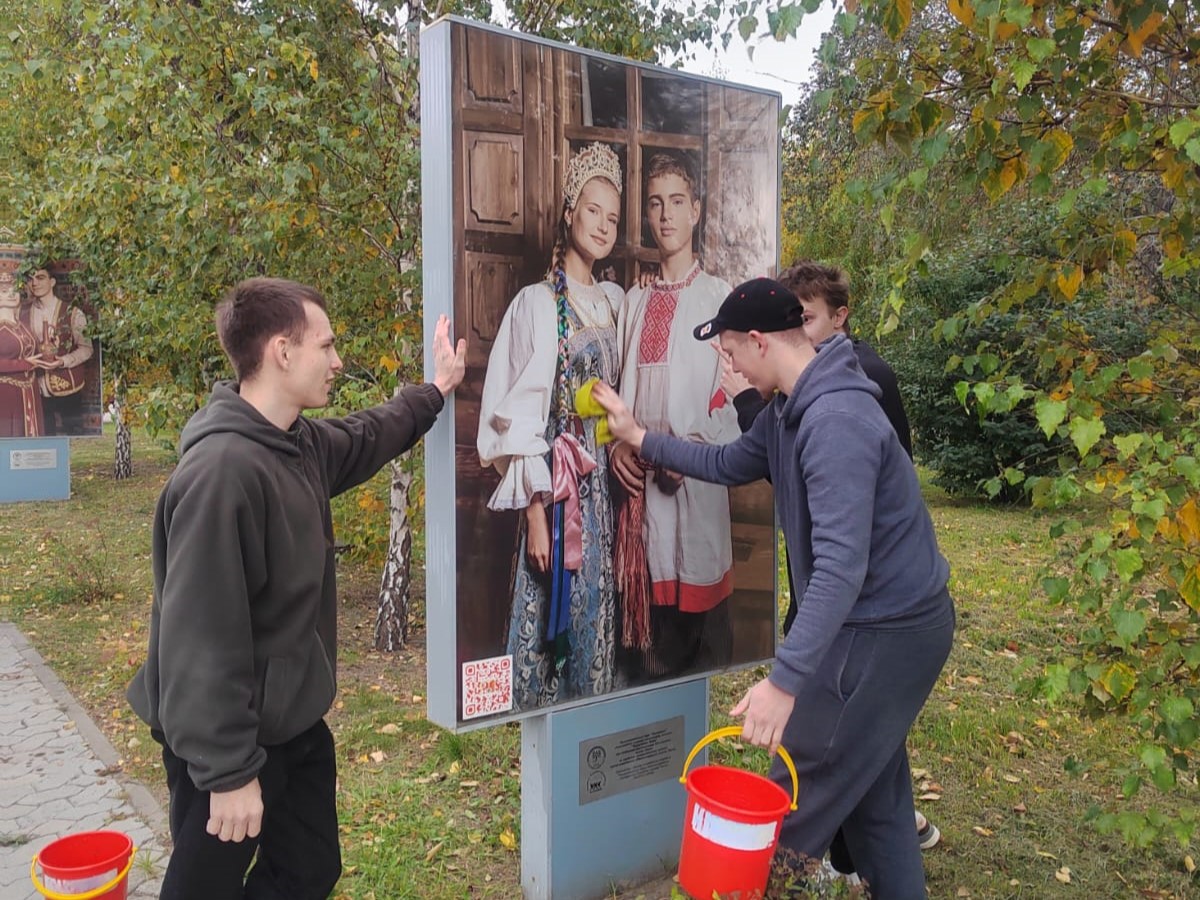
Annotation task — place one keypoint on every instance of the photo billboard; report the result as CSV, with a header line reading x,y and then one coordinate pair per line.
x,y
581,214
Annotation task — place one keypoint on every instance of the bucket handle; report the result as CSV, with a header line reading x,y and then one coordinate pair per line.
x,y
87,895
736,731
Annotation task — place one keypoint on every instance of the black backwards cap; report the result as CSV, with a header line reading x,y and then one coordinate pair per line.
x,y
761,304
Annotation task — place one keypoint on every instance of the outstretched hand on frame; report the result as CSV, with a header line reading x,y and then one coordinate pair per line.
x,y
449,361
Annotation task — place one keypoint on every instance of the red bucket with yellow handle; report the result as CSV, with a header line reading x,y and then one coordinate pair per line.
x,y
731,825
92,865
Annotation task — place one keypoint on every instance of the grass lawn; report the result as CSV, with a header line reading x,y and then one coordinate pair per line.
x,y
432,815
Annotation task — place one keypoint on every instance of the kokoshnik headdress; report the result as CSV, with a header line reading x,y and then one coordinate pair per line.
x,y
593,161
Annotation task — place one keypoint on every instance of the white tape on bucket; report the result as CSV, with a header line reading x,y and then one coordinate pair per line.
x,y
731,834
79,885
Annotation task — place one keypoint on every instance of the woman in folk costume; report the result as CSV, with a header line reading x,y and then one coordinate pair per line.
x,y
557,338
20,396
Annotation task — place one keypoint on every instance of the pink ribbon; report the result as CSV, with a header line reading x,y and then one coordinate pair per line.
x,y
571,463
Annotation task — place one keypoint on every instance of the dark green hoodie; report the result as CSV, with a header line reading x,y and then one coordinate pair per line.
x,y
243,633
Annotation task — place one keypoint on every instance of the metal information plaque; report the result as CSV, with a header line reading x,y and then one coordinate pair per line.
x,y
33,459
614,763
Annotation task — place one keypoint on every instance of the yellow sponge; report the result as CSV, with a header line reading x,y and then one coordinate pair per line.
x,y
586,407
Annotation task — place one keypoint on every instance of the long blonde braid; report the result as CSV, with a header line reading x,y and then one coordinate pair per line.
x,y
557,276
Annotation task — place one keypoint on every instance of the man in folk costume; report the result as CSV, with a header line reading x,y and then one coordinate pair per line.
x,y
60,330
674,556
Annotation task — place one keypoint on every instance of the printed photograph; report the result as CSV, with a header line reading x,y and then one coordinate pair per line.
x,y
50,383
602,210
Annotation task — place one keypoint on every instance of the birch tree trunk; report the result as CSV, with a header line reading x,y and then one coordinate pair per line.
x,y
395,585
123,462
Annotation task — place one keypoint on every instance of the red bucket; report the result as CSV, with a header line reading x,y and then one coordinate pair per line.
x,y
92,865
731,826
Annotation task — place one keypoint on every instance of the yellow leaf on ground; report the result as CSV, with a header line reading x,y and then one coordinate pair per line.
x,y
982,832
1063,875
1172,245
1189,864
508,839
378,756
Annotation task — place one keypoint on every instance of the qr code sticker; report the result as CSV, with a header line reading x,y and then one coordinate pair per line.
x,y
487,686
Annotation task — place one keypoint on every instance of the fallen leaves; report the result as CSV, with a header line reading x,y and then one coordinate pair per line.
x,y
508,840
1015,743
928,789
1063,875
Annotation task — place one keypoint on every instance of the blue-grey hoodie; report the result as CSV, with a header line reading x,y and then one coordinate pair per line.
x,y
861,542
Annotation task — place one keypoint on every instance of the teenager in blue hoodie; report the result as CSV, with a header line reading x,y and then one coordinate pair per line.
x,y
874,621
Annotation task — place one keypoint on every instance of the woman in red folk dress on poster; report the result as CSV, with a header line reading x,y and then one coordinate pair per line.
x,y
20,399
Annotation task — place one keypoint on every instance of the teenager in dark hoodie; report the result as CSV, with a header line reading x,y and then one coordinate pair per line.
x,y
874,621
243,632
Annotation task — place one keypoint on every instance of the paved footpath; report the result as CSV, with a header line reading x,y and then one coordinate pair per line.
x,y
55,777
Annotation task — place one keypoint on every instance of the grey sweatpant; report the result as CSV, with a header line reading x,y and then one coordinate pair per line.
x,y
847,738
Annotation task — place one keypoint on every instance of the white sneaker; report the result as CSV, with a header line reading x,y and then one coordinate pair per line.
x,y
927,836
827,874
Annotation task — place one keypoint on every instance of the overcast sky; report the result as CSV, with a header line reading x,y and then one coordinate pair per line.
x,y
777,66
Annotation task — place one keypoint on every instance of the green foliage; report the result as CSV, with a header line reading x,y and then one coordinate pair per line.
x,y
642,31
1090,334
197,144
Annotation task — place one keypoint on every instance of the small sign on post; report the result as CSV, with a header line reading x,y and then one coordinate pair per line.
x,y
636,757
35,469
